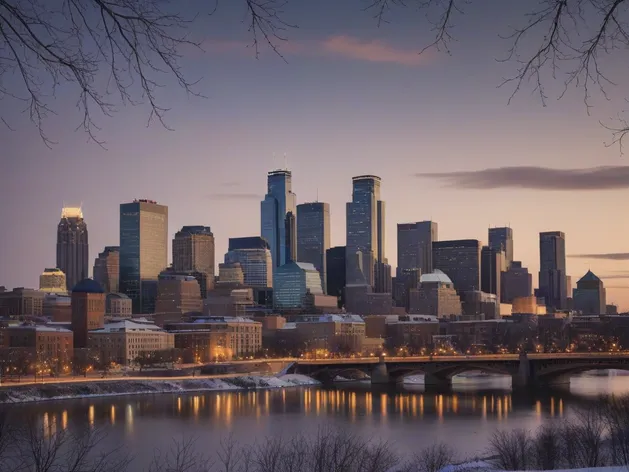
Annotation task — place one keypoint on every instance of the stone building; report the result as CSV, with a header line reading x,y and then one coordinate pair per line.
x,y
88,310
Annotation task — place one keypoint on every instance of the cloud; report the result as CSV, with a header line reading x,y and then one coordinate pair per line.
x,y
621,275
235,196
613,256
370,51
537,178
338,46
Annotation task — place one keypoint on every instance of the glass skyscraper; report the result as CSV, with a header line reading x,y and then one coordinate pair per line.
x,y
460,260
552,269
292,282
143,251
254,256
278,214
502,239
365,228
313,236
414,246
72,246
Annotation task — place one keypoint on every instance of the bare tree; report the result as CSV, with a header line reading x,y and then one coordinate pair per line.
x,y
546,448
511,449
182,457
122,51
589,438
432,459
616,415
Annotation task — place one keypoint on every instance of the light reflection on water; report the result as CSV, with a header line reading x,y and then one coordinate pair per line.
x,y
406,416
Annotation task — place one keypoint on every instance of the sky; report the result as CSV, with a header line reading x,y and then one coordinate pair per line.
x,y
350,98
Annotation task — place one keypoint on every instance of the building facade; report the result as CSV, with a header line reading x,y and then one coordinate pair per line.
x,y
53,281
245,335
364,229
436,296
278,212
193,251
589,298
107,269
335,277
177,294
72,246
292,283
118,305
230,274
21,302
313,236
123,341
143,251
58,307
414,246
515,282
88,310
493,264
52,347
552,273
460,261
255,259
501,239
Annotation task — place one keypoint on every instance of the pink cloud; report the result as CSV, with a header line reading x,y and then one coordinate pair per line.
x,y
371,51
335,46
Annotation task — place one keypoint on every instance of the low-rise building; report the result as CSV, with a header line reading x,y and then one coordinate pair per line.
x,y
52,347
412,332
21,302
123,341
57,307
118,305
436,296
53,281
245,334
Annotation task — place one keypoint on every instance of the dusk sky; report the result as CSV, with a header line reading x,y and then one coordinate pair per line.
x,y
351,99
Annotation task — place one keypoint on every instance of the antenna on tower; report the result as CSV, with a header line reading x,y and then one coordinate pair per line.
x,y
317,194
285,162
274,158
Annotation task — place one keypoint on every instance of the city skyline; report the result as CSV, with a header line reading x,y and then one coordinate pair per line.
x,y
365,104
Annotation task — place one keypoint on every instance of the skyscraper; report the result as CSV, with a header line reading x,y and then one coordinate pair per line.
x,y
492,266
460,261
552,273
193,251
336,265
313,236
143,251
365,228
107,269
254,256
278,212
414,246
516,282
589,297
72,246
502,238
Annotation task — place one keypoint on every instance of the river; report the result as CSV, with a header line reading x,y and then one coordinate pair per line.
x,y
408,417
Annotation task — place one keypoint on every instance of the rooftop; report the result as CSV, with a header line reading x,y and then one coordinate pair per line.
x,y
437,276
71,212
42,328
127,325
589,277
88,286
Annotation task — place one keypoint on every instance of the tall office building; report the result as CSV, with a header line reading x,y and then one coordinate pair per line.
x,y
72,246
589,297
143,251
313,236
336,265
460,261
492,266
193,251
552,273
278,212
516,282
255,258
365,229
414,246
502,238
107,269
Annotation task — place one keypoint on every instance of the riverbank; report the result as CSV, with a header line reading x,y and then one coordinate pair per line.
x,y
81,389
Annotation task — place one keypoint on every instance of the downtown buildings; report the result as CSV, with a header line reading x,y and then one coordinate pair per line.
x,y
72,246
107,269
552,273
313,236
193,251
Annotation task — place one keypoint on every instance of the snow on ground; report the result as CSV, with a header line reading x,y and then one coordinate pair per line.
x,y
44,392
478,466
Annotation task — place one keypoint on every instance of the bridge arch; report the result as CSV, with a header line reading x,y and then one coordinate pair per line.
x,y
561,373
446,372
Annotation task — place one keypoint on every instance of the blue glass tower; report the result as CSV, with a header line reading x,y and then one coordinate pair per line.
x,y
278,217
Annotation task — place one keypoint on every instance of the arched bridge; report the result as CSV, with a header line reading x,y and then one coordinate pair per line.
x,y
525,369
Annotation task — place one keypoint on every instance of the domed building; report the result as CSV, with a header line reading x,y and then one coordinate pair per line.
x,y
88,310
435,296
